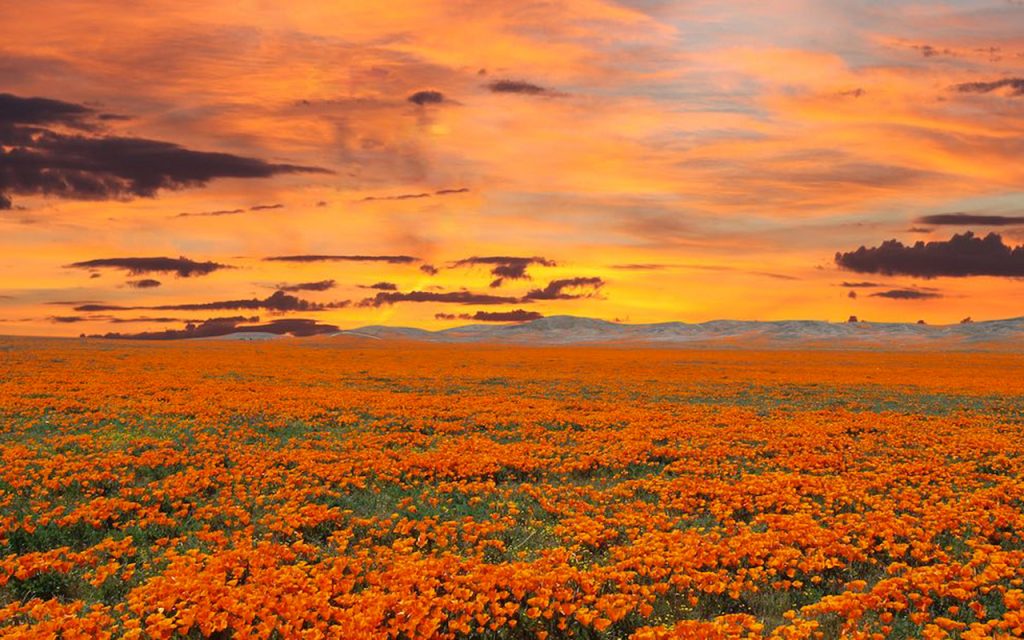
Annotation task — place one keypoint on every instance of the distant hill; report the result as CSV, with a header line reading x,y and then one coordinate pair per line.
x,y
555,330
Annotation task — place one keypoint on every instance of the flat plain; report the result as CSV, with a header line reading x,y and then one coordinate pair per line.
x,y
345,488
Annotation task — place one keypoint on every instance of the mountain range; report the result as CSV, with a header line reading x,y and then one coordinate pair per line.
x,y
565,330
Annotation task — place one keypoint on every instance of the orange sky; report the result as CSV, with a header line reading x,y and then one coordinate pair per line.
x,y
669,160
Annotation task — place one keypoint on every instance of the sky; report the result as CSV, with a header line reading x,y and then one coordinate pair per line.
x,y
432,163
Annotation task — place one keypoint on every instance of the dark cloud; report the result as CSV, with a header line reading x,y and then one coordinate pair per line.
x,y
320,285
401,196
100,306
145,283
1016,86
218,212
279,301
39,156
928,51
138,266
165,319
229,212
919,230
777,276
957,219
450,297
70,303
417,196
141,319
646,266
335,258
860,285
517,86
519,315
429,269
216,327
556,289
505,267
961,255
5,202
381,286
905,294
426,97
41,111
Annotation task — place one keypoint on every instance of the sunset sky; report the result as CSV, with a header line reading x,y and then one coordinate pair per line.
x,y
434,163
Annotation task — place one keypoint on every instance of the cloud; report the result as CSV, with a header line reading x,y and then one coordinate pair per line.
x,y
928,51
279,301
1016,86
183,267
961,255
422,98
229,212
382,286
417,196
70,302
429,269
905,294
519,315
68,319
971,219
645,266
145,283
517,86
450,297
5,202
165,319
777,276
319,285
866,285
340,258
505,267
216,327
37,157
218,212
556,289
41,111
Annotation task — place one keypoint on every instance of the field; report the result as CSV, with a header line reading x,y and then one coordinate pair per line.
x,y
314,489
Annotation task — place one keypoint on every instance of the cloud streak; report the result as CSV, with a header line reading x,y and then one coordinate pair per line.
x,y
1015,85
966,219
342,258
319,285
906,294
182,267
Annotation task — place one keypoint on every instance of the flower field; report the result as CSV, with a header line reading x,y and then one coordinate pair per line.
x,y
319,489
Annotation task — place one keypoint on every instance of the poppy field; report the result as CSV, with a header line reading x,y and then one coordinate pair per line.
x,y
346,489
